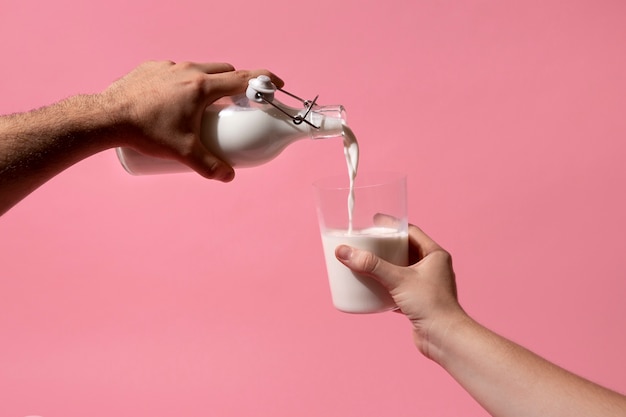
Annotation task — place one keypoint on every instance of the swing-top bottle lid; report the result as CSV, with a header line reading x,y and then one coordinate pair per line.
x,y
260,88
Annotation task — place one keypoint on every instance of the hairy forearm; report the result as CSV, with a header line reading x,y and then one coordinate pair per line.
x,y
37,145
509,380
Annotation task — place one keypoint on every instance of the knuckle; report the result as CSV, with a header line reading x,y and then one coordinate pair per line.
x,y
443,256
242,75
158,64
199,81
212,167
369,262
185,64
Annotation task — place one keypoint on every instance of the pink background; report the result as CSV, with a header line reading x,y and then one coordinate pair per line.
x,y
173,295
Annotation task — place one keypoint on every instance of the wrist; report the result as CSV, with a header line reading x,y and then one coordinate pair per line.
x,y
434,339
114,120
87,122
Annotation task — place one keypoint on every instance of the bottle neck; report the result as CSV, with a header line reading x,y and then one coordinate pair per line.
x,y
329,121
323,121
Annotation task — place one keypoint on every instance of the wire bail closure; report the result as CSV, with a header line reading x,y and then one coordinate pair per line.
x,y
261,89
297,119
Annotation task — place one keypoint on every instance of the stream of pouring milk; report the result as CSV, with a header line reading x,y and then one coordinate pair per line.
x,y
351,152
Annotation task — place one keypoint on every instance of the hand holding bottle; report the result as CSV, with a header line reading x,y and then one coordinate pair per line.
x,y
156,109
162,104
246,130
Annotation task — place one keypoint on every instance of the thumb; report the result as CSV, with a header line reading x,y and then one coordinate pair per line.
x,y
365,262
208,165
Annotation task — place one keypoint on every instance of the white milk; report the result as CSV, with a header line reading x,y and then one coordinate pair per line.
x,y
351,152
355,293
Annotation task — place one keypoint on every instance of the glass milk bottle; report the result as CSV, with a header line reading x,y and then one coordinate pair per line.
x,y
249,129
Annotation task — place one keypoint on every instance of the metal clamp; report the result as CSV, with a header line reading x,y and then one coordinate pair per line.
x,y
261,89
297,119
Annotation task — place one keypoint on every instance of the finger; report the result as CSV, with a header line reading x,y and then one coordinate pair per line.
x,y
278,82
236,82
421,242
385,220
209,166
212,67
365,262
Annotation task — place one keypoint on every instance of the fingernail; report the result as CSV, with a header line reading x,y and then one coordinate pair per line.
x,y
228,176
343,252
